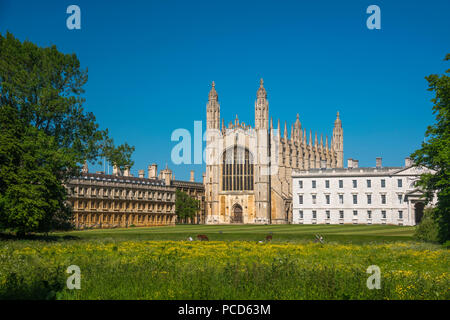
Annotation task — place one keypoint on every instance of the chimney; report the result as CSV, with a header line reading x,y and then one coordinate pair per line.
x,y
355,163
166,175
350,163
141,173
408,162
204,178
378,162
127,173
152,171
192,179
116,171
85,168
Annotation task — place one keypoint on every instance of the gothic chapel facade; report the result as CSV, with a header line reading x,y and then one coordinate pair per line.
x,y
248,171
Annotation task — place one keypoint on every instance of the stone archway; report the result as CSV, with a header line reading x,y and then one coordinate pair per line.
x,y
236,215
418,211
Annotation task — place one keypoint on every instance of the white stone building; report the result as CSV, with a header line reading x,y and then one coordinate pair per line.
x,y
353,195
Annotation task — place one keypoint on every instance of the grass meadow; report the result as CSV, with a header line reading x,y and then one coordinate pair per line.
x,y
158,263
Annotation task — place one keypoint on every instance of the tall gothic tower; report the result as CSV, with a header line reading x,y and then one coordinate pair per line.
x,y
338,141
261,159
213,109
261,108
212,168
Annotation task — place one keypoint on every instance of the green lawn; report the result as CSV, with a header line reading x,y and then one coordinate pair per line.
x,y
291,233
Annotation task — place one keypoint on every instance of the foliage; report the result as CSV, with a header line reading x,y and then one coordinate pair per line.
x,y
32,197
185,206
435,153
45,134
428,229
224,270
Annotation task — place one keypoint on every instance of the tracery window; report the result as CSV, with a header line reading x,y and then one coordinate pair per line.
x,y
237,169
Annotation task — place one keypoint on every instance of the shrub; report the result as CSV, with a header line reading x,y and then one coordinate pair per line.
x,y
428,228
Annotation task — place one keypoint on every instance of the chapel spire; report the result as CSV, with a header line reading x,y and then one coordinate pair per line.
x,y
337,142
213,109
261,107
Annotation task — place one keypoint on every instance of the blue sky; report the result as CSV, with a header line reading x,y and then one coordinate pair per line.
x,y
151,64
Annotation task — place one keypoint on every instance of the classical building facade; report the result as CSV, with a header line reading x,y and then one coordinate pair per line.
x,y
248,170
120,200
354,195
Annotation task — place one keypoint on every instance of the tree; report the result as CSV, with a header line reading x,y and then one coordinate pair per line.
x,y
45,134
435,153
185,206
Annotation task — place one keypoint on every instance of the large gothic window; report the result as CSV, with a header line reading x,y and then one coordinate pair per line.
x,y
237,170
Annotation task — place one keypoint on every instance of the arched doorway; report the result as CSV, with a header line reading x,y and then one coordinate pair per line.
x,y
236,215
418,210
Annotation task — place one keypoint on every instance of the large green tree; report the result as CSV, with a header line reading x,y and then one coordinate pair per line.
x,y
45,134
435,153
185,206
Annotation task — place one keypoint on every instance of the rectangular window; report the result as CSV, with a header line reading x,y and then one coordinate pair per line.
x,y
314,199
300,184
383,183
369,199
383,214
341,183
400,199
355,213
328,214
400,214
300,199
355,184
314,214
327,198
383,199
355,199
399,183
327,184
341,199
314,184
341,214
300,213
369,184
369,214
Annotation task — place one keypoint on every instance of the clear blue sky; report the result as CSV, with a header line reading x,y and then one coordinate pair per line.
x,y
151,64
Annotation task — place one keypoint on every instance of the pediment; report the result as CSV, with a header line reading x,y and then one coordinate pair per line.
x,y
413,171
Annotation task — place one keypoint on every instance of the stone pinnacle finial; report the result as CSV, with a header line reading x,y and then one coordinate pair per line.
x,y
337,122
213,93
262,94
